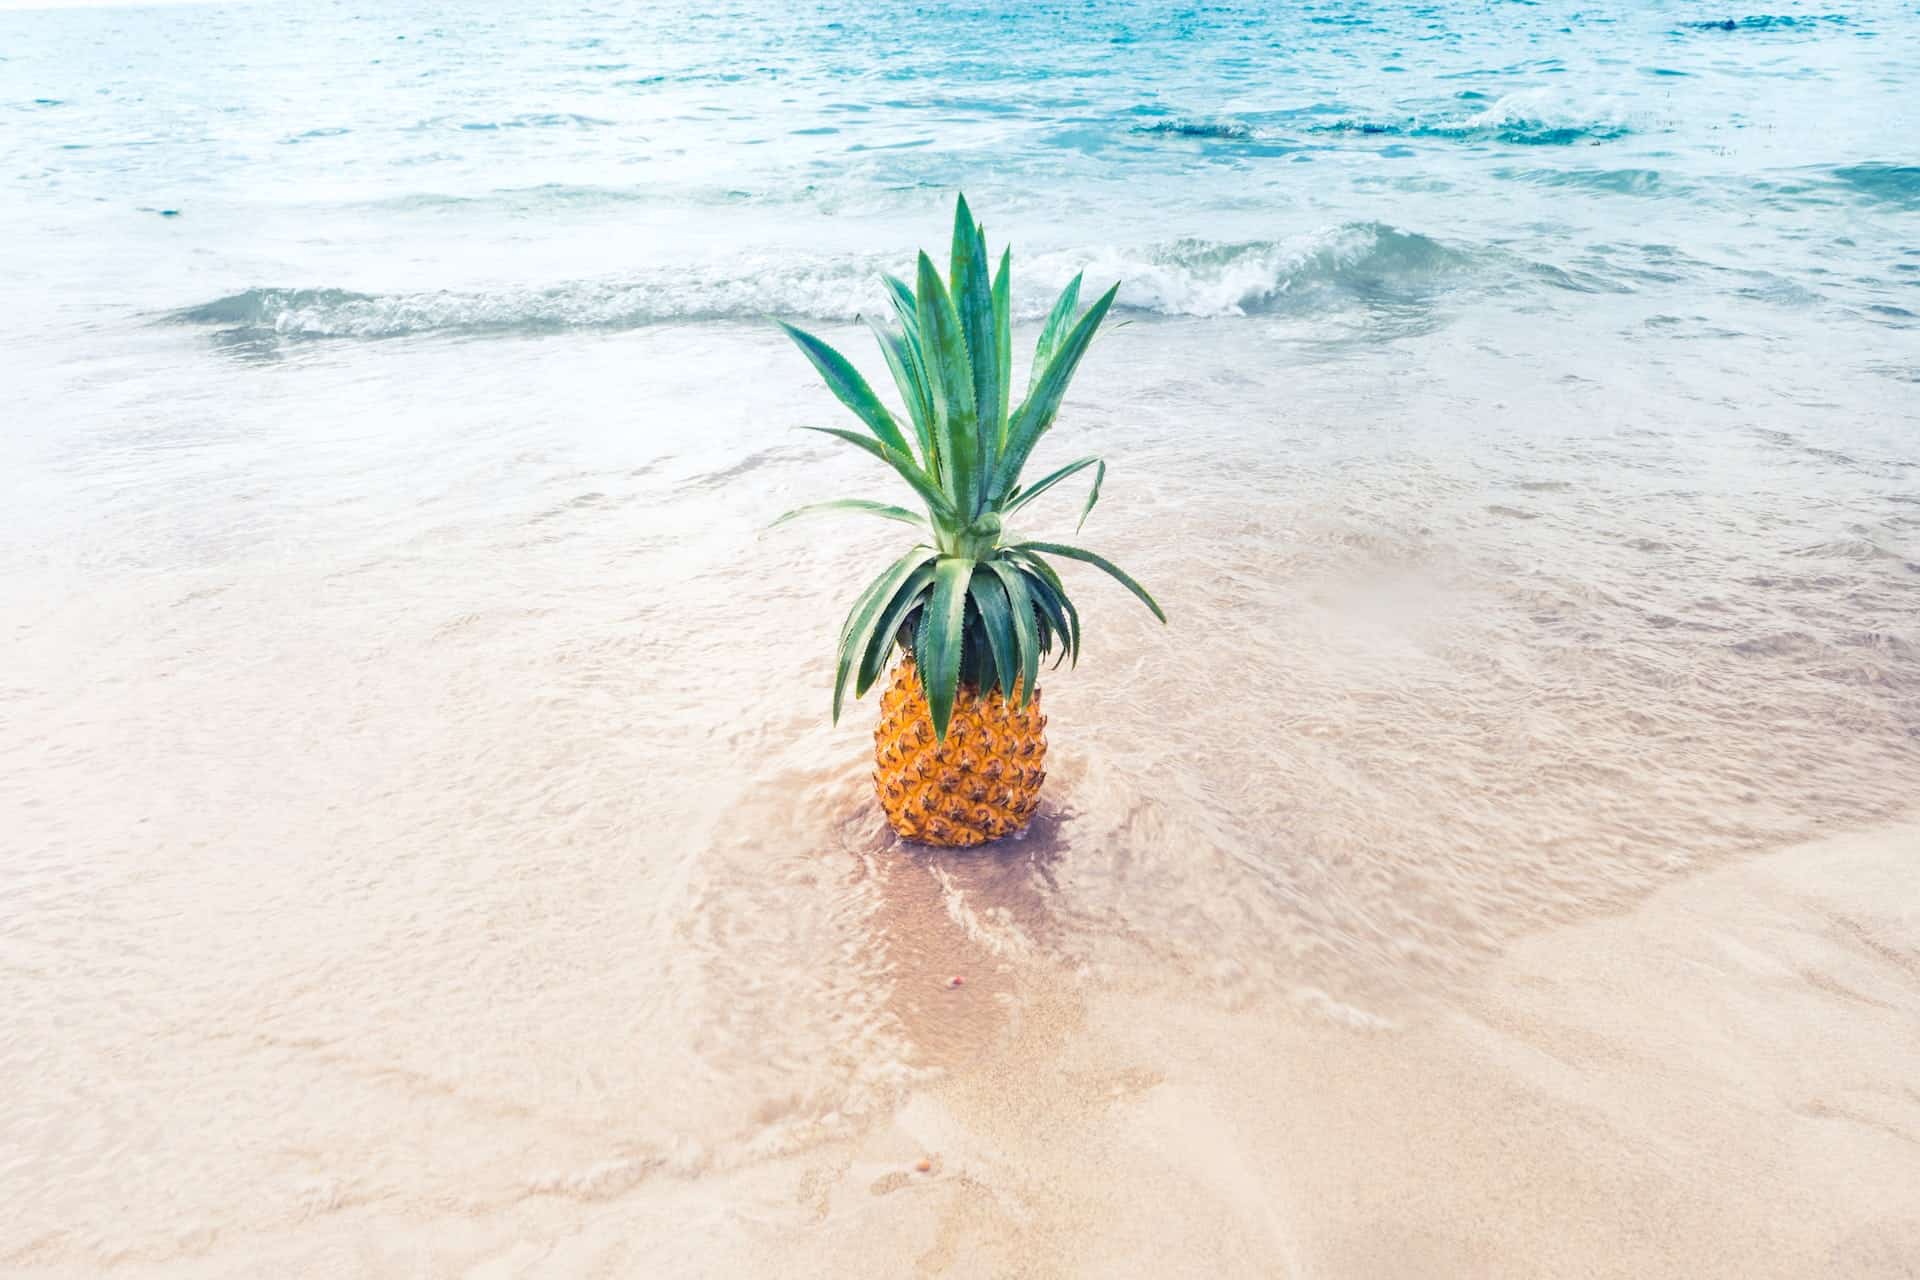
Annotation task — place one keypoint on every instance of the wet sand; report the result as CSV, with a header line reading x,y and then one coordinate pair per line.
x,y
1717,1082
461,877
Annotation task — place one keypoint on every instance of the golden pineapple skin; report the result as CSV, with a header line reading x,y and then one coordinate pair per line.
x,y
982,783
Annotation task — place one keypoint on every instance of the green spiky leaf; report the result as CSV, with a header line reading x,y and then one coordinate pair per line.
x,y
1050,595
866,615
849,387
1026,633
1021,497
996,615
940,639
950,378
906,311
1107,566
1003,335
901,462
904,305
1057,321
973,301
1043,404
910,595
1093,496
904,365
880,509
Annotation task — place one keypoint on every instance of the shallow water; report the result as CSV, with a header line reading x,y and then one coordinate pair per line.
x,y
417,787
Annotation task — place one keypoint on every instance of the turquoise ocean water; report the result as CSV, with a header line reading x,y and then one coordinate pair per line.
x,y
278,174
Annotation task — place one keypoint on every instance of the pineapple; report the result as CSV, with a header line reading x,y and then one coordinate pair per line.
x,y
959,754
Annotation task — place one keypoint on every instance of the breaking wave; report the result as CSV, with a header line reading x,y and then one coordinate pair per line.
x,y
1364,261
1532,118
822,292
1220,130
1766,22
1354,261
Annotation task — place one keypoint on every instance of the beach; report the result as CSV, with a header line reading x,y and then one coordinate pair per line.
x,y
425,847
1713,1083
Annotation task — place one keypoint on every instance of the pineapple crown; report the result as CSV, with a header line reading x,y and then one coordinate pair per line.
x,y
977,605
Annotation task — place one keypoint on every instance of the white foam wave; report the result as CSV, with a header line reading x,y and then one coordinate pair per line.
x,y
1184,278
1204,278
